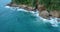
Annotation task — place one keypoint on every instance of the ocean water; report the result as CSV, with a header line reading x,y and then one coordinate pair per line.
x,y
12,20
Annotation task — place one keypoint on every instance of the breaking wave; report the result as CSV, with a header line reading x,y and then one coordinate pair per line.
x,y
53,21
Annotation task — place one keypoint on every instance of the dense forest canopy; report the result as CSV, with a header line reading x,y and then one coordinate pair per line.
x,y
49,4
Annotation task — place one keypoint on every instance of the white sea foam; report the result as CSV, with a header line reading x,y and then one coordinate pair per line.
x,y
35,13
53,21
20,9
7,6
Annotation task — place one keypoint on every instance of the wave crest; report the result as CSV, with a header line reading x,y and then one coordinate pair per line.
x,y
53,22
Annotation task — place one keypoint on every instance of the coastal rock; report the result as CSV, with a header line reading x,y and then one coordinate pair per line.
x,y
44,14
41,7
22,6
26,7
59,14
42,11
55,13
12,4
30,8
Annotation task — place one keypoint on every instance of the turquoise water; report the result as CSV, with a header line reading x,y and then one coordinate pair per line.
x,y
18,21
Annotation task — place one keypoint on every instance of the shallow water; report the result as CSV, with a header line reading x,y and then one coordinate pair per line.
x,y
12,20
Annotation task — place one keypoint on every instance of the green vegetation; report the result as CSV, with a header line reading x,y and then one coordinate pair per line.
x,y
27,2
49,4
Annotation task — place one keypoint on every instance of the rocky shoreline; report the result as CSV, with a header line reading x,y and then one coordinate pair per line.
x,y
42,10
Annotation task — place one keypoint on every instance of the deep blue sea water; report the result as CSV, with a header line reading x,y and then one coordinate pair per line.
x,y
12,20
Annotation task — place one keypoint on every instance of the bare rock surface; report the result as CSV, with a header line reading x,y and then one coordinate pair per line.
x,y
44,14
55,13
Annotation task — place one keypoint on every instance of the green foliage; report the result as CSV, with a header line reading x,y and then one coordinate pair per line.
x,y
28,2
49,4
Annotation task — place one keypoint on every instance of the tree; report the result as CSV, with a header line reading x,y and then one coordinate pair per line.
x,y
49,4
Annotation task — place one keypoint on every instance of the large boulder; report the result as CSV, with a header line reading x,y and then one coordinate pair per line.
x,y
42,11
44,14
55,13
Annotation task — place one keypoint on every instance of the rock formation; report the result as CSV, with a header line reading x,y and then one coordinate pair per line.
x,y
41,8
55,13
43,12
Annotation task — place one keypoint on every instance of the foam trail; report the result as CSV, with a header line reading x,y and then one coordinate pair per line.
x,y
7,6
13,8
35,13
20,9
53,22
16,8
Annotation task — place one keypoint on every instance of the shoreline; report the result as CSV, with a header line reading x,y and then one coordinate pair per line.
x,y
53,21
44,13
